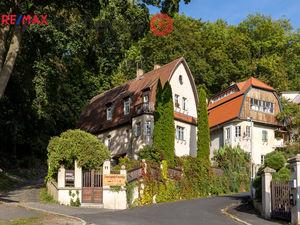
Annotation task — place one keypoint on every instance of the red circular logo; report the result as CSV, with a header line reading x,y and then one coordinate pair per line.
x,y
161,24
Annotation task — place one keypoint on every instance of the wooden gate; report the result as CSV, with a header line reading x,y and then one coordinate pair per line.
x,y
92,191
281,208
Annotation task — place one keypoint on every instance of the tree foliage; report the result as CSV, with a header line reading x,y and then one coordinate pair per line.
x,y
275,160
72,145
290,117
164,127
203,133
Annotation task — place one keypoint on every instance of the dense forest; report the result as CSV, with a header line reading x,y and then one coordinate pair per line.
x,y
88,48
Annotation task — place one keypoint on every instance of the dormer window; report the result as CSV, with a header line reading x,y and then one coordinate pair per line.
x,y
145,98
109,113
127,106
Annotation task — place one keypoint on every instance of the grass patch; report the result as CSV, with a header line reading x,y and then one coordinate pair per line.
x,y
25,221
45,197
6,182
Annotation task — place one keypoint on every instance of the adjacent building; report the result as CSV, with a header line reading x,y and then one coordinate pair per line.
x,y
123,117
244,115
292,96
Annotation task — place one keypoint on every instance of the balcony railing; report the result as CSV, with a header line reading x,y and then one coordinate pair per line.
x,y
146,107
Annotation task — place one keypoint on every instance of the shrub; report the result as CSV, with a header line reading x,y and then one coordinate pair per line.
x,y
45,197
257,184
84,147
151,153
236,166
284,174
275,160
128,163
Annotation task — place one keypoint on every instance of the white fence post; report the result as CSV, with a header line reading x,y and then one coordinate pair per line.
x,y
295,189
61,177
266,192
78,176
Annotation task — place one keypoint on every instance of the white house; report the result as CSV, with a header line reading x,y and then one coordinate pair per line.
x,y
293,96
244,114
123,116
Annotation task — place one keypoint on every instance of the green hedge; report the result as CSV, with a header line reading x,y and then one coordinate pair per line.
x,y
72,145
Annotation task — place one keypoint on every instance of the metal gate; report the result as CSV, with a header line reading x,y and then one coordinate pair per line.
x,y
92,191
281,208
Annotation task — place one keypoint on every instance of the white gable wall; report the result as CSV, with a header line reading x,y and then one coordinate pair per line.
x,y
188,146
183,90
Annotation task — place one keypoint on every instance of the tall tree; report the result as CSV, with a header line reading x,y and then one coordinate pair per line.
x,y
164,127
167,6
11,37
203,133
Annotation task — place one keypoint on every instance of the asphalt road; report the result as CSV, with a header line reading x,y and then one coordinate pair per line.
x,y
193,212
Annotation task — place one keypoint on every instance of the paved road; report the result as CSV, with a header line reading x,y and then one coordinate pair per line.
x,y
194,212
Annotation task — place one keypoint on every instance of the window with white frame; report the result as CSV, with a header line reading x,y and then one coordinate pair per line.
x,y
264,135
108,141
179,133
148,128
248,130
126,106
184,103
227,133
177,101
109,113
262,159
138,129
262,106
237,131
145,98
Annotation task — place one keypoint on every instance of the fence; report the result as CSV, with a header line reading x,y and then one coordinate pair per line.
x,y
281,208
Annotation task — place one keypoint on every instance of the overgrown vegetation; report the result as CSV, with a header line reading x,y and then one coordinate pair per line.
x,y
277,161
72,145
45,197
199,179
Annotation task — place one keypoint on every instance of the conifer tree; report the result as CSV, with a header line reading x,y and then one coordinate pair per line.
x,y
203,133
164,127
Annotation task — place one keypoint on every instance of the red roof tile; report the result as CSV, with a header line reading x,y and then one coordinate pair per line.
x,y
229,107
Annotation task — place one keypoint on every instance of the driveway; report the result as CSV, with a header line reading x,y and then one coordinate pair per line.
x,y
193,212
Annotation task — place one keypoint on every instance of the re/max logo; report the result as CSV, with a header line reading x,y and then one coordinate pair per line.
x,y
13,19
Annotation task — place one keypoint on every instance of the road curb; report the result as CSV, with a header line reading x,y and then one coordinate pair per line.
x,y
83,222
225,212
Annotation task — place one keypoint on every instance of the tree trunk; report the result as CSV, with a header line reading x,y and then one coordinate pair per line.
x,y
3,34
11,56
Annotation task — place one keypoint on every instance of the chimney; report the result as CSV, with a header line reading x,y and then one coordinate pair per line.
x,y
156,66
139,72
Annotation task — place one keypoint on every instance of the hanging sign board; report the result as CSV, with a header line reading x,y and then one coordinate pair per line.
x,y
114,180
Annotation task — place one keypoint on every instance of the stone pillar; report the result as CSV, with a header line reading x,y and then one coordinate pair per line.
x,y
61,177
78,176
123,171
295,189
266,192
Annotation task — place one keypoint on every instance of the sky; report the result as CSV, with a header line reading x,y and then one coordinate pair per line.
x,y
235,11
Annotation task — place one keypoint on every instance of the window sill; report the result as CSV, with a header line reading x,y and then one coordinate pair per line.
x,y
262,111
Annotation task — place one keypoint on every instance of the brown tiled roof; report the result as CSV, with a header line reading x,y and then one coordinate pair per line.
x,y
93,118
229,107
